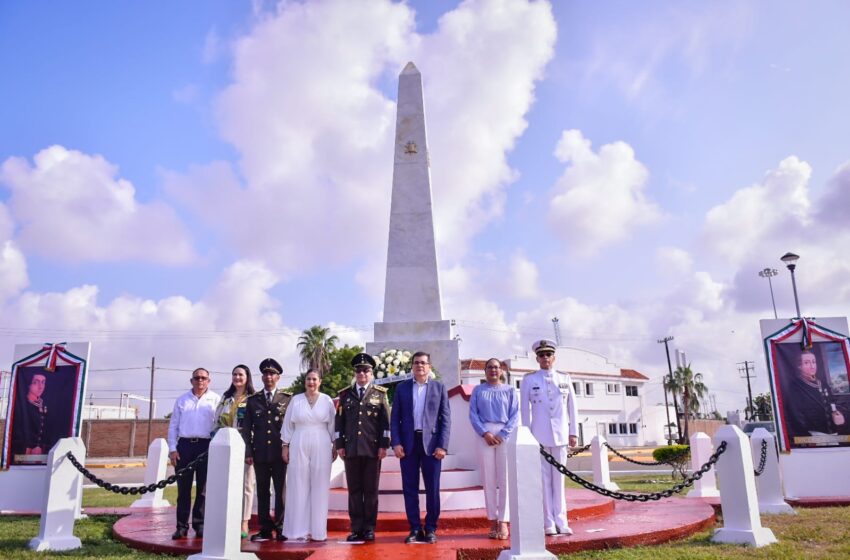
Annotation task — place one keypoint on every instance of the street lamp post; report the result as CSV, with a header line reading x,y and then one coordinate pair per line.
x,y
790,260
770,273
664,341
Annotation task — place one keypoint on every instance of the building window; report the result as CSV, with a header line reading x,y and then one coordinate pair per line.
x,y
623,428
633,428
577,388
518,382
612,388
631,391
612,429
588,389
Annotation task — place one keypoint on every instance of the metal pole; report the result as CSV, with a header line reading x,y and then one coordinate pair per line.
x,y
749,390
665,340
772,299
794,285
150,402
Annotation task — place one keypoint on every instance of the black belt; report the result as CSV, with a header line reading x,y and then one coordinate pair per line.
x,y
194,439
417,432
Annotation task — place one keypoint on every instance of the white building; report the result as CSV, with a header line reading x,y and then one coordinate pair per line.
x,y
610,398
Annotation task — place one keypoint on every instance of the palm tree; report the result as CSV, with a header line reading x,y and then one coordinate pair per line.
x,y
690,386
316,348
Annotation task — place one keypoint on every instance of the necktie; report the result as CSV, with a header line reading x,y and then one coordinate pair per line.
x,y
362,390
268,397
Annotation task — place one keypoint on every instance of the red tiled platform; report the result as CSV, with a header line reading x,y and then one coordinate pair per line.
x,y
598,524
827,501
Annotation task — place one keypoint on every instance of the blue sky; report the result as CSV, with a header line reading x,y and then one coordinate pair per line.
x,y
200,181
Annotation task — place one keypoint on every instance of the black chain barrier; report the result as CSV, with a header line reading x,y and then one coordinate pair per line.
x,y
635,497
136,489
669,461
763,460
577,450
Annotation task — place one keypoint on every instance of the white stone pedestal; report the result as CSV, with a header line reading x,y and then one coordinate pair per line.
x,y
741,519
601,471
769,483
701,450
155,470
830,465
62,493
526,496
223,511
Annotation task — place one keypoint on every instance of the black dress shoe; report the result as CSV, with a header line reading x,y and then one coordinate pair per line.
x,y
180,533
262,536
368,536
280,537
354,537
413,536
430,537
199,533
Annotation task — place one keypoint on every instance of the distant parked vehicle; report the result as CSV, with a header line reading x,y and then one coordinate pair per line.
x,y
749,427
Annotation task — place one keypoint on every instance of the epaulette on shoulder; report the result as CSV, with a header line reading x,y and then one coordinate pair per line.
x,y
342,391
255,395
380,388
287,393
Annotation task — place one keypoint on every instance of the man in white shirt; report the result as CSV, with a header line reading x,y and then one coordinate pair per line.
x,y
189,433
548,408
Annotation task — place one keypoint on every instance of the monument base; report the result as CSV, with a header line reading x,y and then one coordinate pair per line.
x,y
22,489
756,538
55,543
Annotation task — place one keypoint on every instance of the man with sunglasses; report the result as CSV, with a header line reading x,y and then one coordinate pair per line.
x,y
192,422
362,438
548,408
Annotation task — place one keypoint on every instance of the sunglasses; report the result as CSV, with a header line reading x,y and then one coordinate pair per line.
x,y
546,354
200,379
362,369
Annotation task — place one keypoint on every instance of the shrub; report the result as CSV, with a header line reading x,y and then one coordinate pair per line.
x,y
677,456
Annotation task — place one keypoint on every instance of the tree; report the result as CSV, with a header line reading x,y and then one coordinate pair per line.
x,y
339,375
690,386
763,407
316,347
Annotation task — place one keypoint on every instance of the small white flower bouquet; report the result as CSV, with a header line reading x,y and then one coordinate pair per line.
x,y
392,365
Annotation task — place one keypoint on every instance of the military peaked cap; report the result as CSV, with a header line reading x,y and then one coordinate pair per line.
x,y
363,359
544,345
270,364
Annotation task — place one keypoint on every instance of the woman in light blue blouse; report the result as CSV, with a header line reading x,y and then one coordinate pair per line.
x,y
494,413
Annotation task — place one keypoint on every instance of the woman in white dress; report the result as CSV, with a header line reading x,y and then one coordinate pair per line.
x,y
307,435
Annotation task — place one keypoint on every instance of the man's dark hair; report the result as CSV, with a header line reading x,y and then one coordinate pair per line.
x,y
420,354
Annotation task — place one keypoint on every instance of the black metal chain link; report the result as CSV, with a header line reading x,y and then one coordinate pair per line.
x,y
635,497
133,490
648,463
577,450
763,460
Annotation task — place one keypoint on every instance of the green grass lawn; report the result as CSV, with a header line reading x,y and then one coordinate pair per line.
x,y
98,497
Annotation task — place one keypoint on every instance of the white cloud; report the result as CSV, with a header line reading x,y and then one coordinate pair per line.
x,y
525,277
774,209
72,206
315,131
599,199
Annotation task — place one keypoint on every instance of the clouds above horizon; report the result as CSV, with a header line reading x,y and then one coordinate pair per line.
x,y
601,196
73,207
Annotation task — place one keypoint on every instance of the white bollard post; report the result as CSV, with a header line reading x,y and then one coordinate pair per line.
x,y
701,450
223,510
769,483
61,497
601,473
741,520
155,470
526,496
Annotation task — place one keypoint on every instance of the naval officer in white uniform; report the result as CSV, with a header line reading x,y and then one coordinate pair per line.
x,y
548,408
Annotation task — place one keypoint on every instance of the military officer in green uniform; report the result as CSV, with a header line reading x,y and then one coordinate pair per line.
x,y
362,439
264,412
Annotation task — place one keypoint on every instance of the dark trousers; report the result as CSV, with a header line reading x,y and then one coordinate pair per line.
x,y
362,475
411,465
270,473
189,449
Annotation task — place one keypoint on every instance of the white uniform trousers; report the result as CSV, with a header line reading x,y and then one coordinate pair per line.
x,y
249,483
494,474
554,502
308,478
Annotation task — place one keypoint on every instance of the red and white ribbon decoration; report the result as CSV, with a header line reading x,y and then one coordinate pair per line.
x,y
53,354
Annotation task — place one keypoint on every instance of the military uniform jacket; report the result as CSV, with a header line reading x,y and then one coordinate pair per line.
x,y
261,427
362,427
548,407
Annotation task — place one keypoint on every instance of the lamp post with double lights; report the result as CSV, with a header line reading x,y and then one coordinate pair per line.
x,y
770,273
790,260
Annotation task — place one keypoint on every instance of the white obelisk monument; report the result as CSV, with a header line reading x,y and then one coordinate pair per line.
x,y
413,315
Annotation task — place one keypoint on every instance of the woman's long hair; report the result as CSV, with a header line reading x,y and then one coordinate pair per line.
x,y
249,383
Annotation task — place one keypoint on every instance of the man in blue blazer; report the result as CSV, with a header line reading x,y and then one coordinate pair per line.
x,y
419,434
